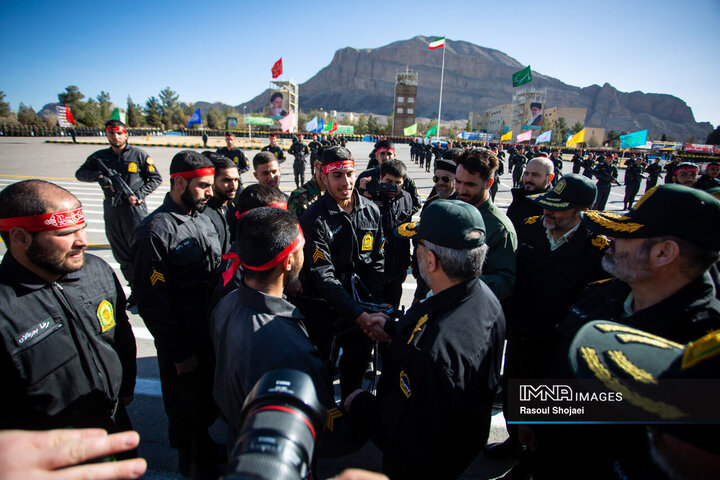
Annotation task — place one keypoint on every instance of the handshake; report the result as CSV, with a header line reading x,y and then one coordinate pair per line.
x,y
373,324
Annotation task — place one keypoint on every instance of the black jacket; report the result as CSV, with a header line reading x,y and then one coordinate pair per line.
x,y
395,212
175,255
522,207
218,215
135,167
439,378
552,279
237,156
606,174
338,244
279,154
67,351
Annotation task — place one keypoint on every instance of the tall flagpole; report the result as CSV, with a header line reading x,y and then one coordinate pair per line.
x,y
442,76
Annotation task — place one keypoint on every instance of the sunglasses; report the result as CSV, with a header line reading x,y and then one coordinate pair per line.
x,y
444,178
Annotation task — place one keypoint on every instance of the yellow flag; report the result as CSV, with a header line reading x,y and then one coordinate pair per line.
x,y
577,138
411,130
507,136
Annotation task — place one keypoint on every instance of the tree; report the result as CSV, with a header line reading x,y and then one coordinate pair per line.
x,y
71,96
134,116
592,142
153,112
4,106
168,101
713,137
91,115
559,131
577,127
215,119
104,103
361,125
613,138
178,117
663,138
27,116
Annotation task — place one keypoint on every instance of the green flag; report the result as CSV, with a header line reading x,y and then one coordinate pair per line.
x,y
411,130
522,77
431,132
116,115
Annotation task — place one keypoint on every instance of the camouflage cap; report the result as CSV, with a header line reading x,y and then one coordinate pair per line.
x,y
684,212
572,191
446,223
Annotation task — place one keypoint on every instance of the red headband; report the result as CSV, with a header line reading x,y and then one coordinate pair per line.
x,y
687,169
200,172
118,128
45,222
280,205
289,250
331,167
385,149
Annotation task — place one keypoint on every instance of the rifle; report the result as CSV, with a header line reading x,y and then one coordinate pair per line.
x,y
122,190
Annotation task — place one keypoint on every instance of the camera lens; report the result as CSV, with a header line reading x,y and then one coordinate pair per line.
x,y
283,417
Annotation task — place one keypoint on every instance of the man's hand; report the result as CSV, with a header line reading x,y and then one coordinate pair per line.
x,y
106,183
134,200
372,325
188,366
43,455
356,474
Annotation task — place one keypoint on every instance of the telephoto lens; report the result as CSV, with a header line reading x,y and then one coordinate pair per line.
x,y
282,419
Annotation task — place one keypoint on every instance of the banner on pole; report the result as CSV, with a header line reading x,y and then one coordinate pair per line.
x,y
411,130
522,77
634,139
431,132
524,137
543,137
507,136
575,139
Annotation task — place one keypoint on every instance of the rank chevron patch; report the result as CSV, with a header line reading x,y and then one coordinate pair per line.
x,y
318,255
156,276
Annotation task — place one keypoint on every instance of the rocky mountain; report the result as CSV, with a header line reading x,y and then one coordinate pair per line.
x,y
477,78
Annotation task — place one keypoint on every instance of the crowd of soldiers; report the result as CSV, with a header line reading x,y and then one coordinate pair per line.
x,y
233,281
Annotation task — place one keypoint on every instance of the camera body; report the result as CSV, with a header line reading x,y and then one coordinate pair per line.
x,y
282,419
377,189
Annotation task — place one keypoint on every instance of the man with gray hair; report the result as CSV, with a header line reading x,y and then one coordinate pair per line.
x,y
445,355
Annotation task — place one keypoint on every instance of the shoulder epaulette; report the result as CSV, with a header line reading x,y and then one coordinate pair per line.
x,y
531,220
600,282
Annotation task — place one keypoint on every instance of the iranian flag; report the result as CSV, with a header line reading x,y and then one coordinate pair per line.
x,y
437,43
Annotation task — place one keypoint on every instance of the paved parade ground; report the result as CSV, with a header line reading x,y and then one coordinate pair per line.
x,y
27,157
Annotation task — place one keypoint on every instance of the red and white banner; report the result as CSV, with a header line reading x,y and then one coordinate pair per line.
x,y
698,148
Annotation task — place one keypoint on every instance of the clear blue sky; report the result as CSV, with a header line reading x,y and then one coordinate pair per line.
x,y
222,51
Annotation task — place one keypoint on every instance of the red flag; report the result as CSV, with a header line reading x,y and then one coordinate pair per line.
x,y
334,127
68,115
277,69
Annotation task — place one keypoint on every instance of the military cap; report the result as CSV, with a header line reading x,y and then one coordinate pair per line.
x,y
572,191
713,164
446,161
671,209
446,223
660,380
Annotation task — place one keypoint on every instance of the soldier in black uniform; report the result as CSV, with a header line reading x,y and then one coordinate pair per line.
x,y
386,151
517,162
177,250
396,208
444,358
67,352
428,156
220,207
588,165
556,158
536,179
659,254
315,146
236,155
577,161
299,150
633,177
343,236
606,173
709,179
569,257
138,171
670,169
275,149
653,172
686,173
437,151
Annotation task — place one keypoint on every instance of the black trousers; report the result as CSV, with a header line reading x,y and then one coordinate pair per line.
x,y
120,225
631,191
299,171
650,183
603,193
